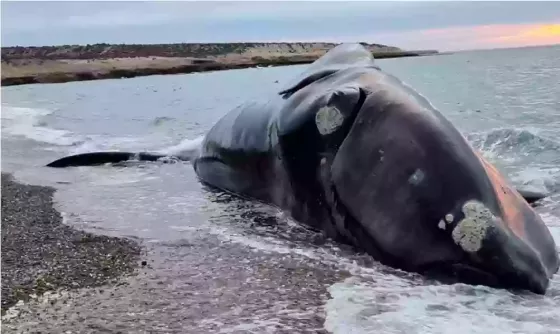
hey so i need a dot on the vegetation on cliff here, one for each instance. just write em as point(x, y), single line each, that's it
point(195, 50)
point(55, 64)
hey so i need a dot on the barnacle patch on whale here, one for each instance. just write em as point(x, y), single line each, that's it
point(328, 119)
point(472, 229)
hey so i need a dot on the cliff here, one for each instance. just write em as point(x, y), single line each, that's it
point(194, 50)
point(43, 64)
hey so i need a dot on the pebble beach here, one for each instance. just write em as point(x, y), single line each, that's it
point(40, 253)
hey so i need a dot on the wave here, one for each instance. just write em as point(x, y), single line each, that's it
point(508, 142)
point(28, 123)
point(526, 157)
point(160, 120)
point(541, 179)
point(186, 148)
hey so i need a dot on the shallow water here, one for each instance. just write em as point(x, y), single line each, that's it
point(219, 264)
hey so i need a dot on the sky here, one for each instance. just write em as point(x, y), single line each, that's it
point(411, 25)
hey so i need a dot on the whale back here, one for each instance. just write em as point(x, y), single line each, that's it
point(338, 58)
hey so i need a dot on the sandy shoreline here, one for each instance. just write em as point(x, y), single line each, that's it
point(40, 253)
point(68, 72)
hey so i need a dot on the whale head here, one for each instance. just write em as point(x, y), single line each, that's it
point(398, 180)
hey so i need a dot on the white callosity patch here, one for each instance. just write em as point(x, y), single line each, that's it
point(328, 119)
point(441, 224)
point(416, 177)
point(471, 230)
point(449, 218)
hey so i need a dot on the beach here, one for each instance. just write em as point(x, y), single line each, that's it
point(40, 253)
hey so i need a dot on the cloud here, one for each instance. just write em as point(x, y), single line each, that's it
point(37, 15)
point(484, 36)
point(409, 24)
point(537, 34)
point(116, 19)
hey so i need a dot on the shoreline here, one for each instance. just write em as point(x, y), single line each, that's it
point(42, 254)
point(123, 73)
point(60, 64)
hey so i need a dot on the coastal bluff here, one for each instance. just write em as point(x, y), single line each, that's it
point(63, 63)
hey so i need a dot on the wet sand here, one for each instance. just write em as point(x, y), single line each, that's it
point(201, 283)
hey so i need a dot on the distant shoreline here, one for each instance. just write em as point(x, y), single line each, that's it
point(59, 64)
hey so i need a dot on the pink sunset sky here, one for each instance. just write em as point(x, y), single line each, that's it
point(476, 37)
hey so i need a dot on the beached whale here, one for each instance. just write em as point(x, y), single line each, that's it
point(352, 151)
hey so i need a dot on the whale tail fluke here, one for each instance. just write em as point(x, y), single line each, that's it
point(186, 150)
point(100, 158)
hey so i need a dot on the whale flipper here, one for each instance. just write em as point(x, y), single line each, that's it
point(100, 158)
point(531, 196)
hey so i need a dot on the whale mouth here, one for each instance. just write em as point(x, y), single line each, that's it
point(497, 265)
point(470, 273)
point(459, 272)
point(491, 256)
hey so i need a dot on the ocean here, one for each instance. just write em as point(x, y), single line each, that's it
point(223, 265)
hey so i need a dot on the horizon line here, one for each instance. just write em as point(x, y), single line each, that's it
point(294, 42)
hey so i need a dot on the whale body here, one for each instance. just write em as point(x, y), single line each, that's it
point(351, 150)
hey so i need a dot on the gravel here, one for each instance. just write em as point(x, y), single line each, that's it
point(40, 253)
